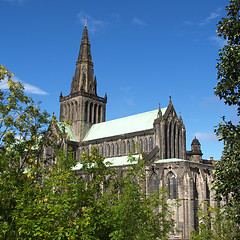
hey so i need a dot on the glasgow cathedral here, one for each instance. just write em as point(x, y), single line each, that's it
point(159, 136)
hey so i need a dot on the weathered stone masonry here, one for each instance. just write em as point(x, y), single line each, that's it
point(159, 134)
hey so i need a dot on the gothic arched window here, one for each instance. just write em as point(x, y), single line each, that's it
point(90, 112)
point(99, 113)
point(146, 143)
point(108, 150)
point(129, 146)
point(151, 143)
point(154, 183)
point(117, 149)
point(172, 186)
point(68, 114)
point(133, 146)
point(102, 150)
point(95, 114)
point(113, 149)
point(141, 145)
point(124, 147)
point(76, 111)
point(86, 111)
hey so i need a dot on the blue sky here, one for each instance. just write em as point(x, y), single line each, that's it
point(143, 52)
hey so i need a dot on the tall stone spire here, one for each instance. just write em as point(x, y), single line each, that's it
point(85, 48)
point(83, 79)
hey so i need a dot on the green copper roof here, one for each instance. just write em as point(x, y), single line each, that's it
point(114, 162)
point(134, 123)
point(170, 160)
point(123, 161)
point(67, 128)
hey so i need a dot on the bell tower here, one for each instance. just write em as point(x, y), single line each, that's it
point(83, 107)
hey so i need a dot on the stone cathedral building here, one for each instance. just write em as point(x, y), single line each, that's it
point(160, 134)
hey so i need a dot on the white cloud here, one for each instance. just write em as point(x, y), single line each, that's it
point(138, 21)
point(206, 136)
point(28, 88)
point(211, 17)
point(33, 90)
point(92, 24)
point(219, 41)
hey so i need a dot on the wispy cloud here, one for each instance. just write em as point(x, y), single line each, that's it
point(127, 96)
point(188, 23)
point(219, 41)
point(28, 88)
point(126, 90)
point(139, 22)
point(212, 103)
point(211, 17)
point(14, 1)
point(115, 17)
point(92, 24)
point(206, 136)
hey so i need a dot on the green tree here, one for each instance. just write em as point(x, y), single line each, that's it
point(124, 210)
point(42, 199)
point(227, 177)
point(21, 126)
point(214, 224)
point(96, 204)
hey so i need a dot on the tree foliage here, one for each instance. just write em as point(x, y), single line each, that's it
point(21, 125)
point(214, 224)
point(227, 173)
point(228, 66)
point(43, 200)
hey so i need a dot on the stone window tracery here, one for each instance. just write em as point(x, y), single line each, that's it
point(154, 183)
point(151, 143)
point(141, 145)
point(172, 186)
point(124, 147)
point(117, 149)
point(146, 145)
point(113, 152)
point(129, 147)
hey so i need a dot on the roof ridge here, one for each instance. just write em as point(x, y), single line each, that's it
point(128, 116)
point(134, 123)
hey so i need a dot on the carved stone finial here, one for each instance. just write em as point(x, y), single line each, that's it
point(85, 21)
point(159, 111)
point(180, 118)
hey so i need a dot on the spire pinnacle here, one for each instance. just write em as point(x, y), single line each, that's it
point(180, 118)
point(83, 79)
point(85, 21)
point(159, 111)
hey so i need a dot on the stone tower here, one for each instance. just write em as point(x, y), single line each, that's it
point(170, 134)
point(195, 154)
point(83, 107)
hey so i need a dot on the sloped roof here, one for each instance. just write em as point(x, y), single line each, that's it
point(67, 128)
point(134, 123)
point(113, 162)
point(123, 161)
